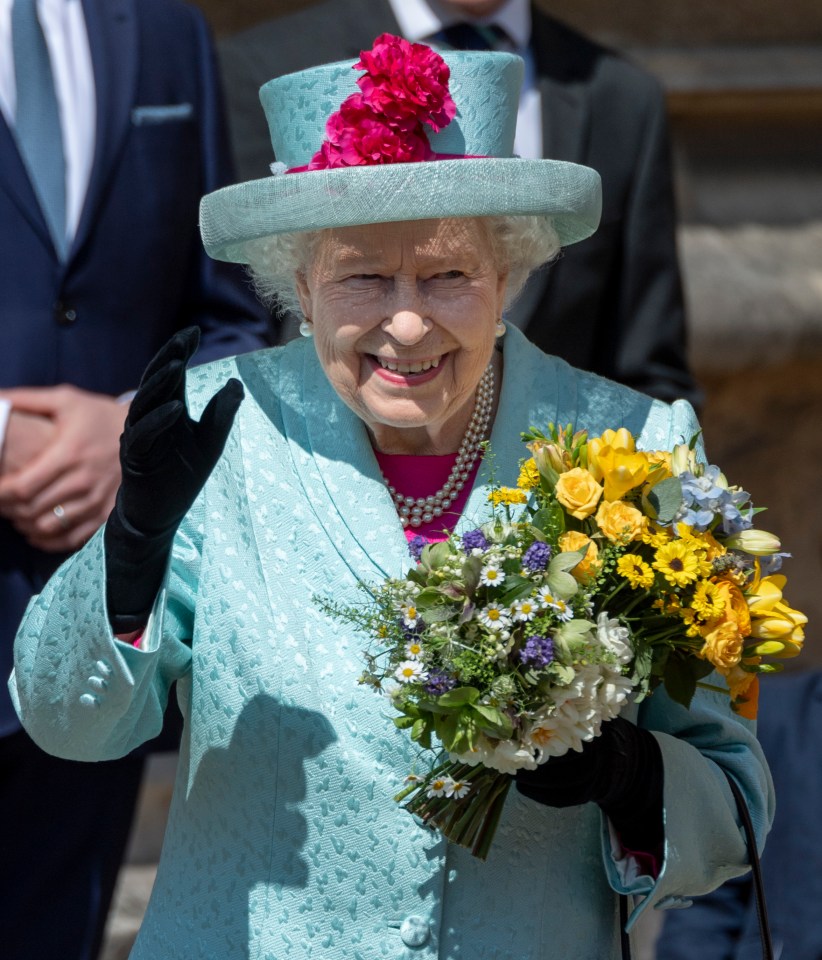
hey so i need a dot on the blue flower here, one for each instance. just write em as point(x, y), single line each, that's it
point(536, 557)
point(439, 682)
point(474, 540)
point(415, 546)
point(771, 564)
point(538, 650)
point(704, 499)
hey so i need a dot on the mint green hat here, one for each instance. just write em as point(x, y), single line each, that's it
point(472, 172)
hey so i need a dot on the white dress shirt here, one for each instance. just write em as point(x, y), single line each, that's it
point(419, 20)
point(64, 27)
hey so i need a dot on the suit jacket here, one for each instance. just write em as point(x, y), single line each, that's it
point(136, 271)
point(283, 832)
point(724, 924)
point(613, 303)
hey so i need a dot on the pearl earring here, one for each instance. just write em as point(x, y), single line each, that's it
point(499, 329)
point(307, 328)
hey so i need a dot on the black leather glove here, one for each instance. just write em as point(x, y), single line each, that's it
point(620, 770)
point(166, 457)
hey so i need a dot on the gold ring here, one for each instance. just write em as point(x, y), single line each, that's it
point(60, 512)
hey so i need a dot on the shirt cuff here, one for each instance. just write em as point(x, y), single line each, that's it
point(5, 410)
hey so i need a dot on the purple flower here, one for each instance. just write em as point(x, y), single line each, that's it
point(439, 682)
point(411, 633)
point(474, 540)
point(536, 557)
point(415, 545)
point(538, 650)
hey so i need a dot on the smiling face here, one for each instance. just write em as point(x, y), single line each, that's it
point(404, 319)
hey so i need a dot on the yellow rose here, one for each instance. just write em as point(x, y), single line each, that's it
point(572, 541)
point(620, 522)
point(725, 634)
point(578, 492)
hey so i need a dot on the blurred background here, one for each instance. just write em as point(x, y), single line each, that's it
point(744, 87)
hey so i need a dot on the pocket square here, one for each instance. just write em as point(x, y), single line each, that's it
point(164, 113)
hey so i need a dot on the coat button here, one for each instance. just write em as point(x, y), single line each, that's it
point(414, 931)
point(64, 314)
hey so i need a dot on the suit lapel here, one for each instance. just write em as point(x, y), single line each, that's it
point(15, 182)
point(112, 34)
point(564, 89)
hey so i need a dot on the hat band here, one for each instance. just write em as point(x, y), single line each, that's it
point(306, 168)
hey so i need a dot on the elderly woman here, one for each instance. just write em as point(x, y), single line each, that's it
point(401, 227)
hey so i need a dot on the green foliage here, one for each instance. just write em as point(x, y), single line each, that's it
point(664, 499)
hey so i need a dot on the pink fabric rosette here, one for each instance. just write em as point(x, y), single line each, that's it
point(405, 86)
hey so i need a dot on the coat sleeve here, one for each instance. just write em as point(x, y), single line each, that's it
point(81, 693)
point(220, 297)
point(704, 842)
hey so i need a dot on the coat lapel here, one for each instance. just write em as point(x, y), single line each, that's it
point(531, 393)
point(15, 182)
point(339, 487)
point(112, 34)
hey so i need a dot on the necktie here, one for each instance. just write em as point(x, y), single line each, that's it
point(472, 36)
point(37, 120)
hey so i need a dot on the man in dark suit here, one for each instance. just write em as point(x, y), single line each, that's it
point(723, 925)
point(84, 306)
point(613, 303)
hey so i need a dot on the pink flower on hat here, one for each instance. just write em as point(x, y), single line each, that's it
point(405, 86)
point(356, 135)
point(406, 80)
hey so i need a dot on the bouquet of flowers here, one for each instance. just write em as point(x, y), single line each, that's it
point(606, 572)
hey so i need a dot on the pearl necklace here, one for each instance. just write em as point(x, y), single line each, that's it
point(416, 511)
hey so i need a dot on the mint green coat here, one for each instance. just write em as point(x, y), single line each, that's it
point(284, 842)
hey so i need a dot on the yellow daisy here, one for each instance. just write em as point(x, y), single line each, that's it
point(678, 563)
point(708, 601)
point(635, 570)
point(656, 537)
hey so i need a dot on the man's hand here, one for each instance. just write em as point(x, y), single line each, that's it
point(27, 436)
point(77, 472)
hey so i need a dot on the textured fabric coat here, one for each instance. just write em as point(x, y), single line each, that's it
point(284, 840)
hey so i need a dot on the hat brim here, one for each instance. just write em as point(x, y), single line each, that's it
point(568, 193)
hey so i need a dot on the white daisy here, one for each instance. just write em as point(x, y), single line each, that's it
point(437, 787)
point(494, 617)
point(491, 575)
point(456, 788)
point(413, 650)
point(544, 597)
point(562, 610)
point(410, 615)
point(524, 610)
point(410, 671)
